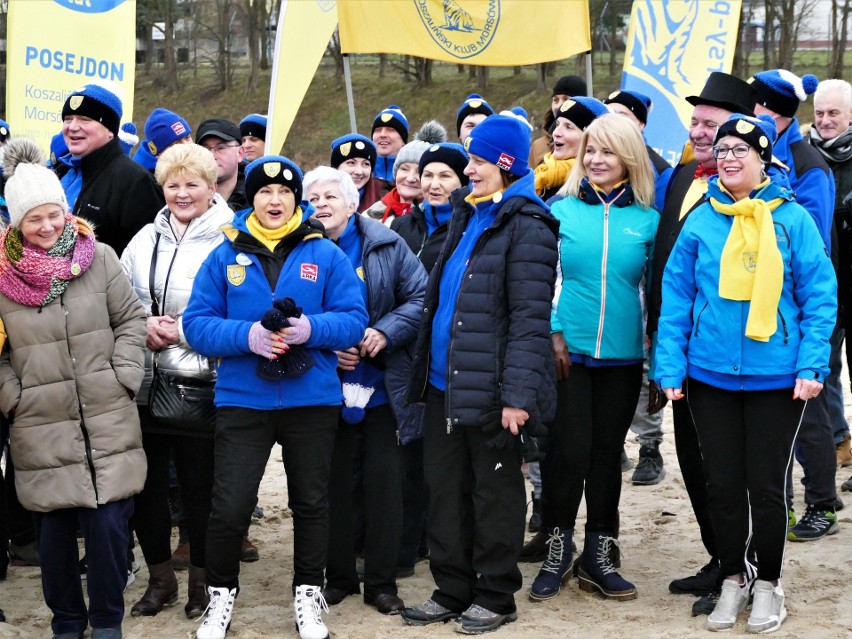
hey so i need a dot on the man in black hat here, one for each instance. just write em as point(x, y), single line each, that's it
point(224, 140)
point(722, 96)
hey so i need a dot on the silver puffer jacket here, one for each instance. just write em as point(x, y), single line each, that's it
point(180, 260)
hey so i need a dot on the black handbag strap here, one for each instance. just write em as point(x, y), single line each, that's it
point(155, 307)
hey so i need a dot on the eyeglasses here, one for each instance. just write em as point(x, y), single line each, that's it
point(740, 151)
point(221, 148)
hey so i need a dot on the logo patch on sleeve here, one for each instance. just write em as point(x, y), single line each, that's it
point(310, 272)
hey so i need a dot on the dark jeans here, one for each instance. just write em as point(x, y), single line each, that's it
point(16, 522)
point(595, 407)
point(414, 504)
point(689, 459)
point(477, 512)
point(244, 438)
point(374, 441)
point(106, 535)
point(193, 460)
point(746, 443)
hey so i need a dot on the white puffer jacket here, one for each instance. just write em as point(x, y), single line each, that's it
point(180, 260)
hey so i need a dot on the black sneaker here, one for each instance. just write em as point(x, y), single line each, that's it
point(704, 582)
point(649, 470)
point(706, 604)
point(815, 524)
point(846, 486)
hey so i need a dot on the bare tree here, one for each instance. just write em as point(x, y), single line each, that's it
point(839, 32)
point(784, 20)
point(337, 54)
point(253, 15)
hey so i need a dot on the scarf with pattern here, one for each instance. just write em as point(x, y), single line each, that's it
point(35, 277)
point(836, 150)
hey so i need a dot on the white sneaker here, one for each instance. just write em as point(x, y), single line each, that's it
point(217, 619)
point(767, 609)
point(732, 602)
point(310, 604)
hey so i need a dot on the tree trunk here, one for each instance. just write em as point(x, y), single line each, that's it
point(768, 34)
point(460, 68)
point(516, 71)
point(482, 78)
point(839, 34)
point(541, 76)
point(264, 36)
point(383, 61)
point(471, 72)
point(251, 9)
point(171, 63)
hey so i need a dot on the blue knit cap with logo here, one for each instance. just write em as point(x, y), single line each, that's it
point(781, 91)
point(353, 145)
point(502, 140)
point(393, 117)
point(97, 103)
point(273, 169)
point(254, 125)
point(759, 133)
point(163, 128)
point(474, 103)
point(582, 111)
point(638, 103)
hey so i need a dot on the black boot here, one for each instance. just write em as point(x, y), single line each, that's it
point(535, 550)
point(596, 572)
point(197, 599)
point(162, 591)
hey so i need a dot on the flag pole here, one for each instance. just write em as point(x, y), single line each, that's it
point(589, 86)
point(349, 99)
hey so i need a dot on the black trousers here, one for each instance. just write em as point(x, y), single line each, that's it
point(374, 441)
point(193, 458)
point(244, 439)
point(414, 505)
point(477, 512)
point(689, 459)
point(595, 407)
point(16, 522)
point(746, 442)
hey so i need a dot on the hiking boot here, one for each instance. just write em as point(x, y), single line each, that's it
point(162, 591)
point(310, 605)
point(557, 567)
point(732, 601)
point(844, 452)
point(24, 555)
point(596, 572)
point(703, 582)
point(626, 464)
point(476, 620)
point(649, 470)
point(535, 518)
point(428, 612)
point(249, 552)
point(197, 600)
point(767, 609)
point(535, 550)
point(706, 604)
point(219, 612)
point(815, 524)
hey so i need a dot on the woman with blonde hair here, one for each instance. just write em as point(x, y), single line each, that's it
point(161, 262)
point(606, 242)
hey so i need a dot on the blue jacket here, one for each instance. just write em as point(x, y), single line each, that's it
point(810, 178)
point(605, 252)
point(231, 292)
point(701, 332)
point(396, 284)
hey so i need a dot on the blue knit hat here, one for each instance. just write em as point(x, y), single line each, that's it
point(127, 136)
point(254, 125)
point(163, 128)
point(58, 150)
point(519, 113)
point(5, 131)
point(474, 103)
point(273, 169)
point(144, 156)
point(758, 132)
point(451, 154)
point(502, 140)
point(582, 111)
point(358, 388)
point(781, 91)
point(638, 103)
point(350, 146)
point(96, 102)
point(393, 117)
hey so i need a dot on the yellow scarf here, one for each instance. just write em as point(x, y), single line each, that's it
point(552, 173)
point(473, 200)
point(270, 237)
point(751, 267)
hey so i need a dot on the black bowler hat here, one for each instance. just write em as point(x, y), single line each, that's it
point(728, 92)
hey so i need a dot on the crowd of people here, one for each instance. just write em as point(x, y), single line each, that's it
point(414, 324)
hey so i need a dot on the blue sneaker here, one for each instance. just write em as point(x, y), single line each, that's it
point(557, 566)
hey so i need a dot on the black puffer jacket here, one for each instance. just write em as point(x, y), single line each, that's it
point(118, 195)
point(500, 353)
point(412, 229)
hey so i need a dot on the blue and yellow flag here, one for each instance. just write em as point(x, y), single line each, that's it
point(304, 29)
point(672, 47)
point(57, 46)
point(481, 32)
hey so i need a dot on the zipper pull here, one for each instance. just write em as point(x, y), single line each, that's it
point(449, 426)
point(397, 437)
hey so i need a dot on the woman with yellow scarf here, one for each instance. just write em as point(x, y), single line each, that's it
point(749, 301)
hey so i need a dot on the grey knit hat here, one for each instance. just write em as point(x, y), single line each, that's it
point(432, 132)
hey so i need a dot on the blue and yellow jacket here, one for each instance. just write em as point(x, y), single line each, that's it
point(232, 291)
point(703, 335)
point(606, 249)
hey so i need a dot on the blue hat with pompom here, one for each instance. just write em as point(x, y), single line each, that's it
point(758, 132)
point(781, 91)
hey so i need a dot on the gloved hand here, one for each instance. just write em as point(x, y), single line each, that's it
point(656, 399)
point(260, 341)
point(299, 332)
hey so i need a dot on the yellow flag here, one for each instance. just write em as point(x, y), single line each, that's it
point(57, 46)
point(482, 32)
point(304, 29)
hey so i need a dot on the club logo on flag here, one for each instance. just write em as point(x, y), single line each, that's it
point(505, 161)
point(461, 29)
point(310, 272)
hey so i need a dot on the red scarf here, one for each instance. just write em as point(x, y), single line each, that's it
point(394, 205)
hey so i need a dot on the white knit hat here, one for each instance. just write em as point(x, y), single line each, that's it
point(28, 182)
